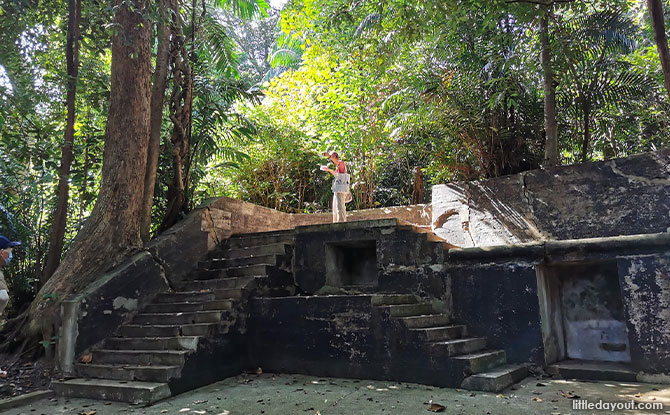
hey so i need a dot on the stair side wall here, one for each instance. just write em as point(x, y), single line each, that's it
point(500, 302)
point(341, 336)
point(90, 316)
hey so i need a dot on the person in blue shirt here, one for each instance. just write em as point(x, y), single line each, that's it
point(6, 247)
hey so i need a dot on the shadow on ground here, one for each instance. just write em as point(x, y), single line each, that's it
point(269, 394)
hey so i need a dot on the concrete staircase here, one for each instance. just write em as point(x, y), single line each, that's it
point(479, 368)
point(160, 352)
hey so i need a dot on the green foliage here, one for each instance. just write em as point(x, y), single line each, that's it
point(453, 87)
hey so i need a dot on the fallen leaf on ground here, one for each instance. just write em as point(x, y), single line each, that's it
point(164, 411)
point(87, 358)
point(199, 402)
point(87, 413)
point(569, 395)
point(638, 395)
point(436, 407)
point(538, 399)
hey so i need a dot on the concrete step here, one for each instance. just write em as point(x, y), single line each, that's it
point(191, 317)
point(140, 357)
point(190, 306)
point(152, 343)
point(393, 299)
point(593, 370)
point(113, 390)
point(234, 282)
point(229, 293)
point(248, 270)
point(408, 310)
point(238, 262)
point(170, 330)
point(429, 320)
point(261, 239)
point(433, 334)
point(481, 361)
point(458, 346)
point(254, 251)
point(206, 274)
point(128, 372)
point(496, 379)
point(240, 271)
point(183, 297)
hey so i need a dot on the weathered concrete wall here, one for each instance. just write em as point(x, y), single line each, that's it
point(341, 336)
point(394, 247)
point(497, 293)
point(500, 302)
point(234, 216)
point(90, 316)
point(617, 197)
point(593, 313)
point(419, 215)
point(645, 283)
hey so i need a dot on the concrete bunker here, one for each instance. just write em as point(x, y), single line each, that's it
point(351, 263)
point(582, 312)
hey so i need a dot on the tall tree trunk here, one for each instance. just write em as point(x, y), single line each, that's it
point(586, 108)
point(112, 231)
point(156, 117)
point(550, 125)
point(658, 24)
point(60, 216)
point(417, 193)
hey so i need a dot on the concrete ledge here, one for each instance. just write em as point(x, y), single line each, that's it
point(357, 224)
point(530, 249)
point(628, 243)
point(25, 399)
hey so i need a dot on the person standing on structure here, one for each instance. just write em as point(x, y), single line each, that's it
point(341, 192)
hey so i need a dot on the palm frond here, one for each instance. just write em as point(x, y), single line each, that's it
point(218, 47)
point(368, 22)
point(245, 9)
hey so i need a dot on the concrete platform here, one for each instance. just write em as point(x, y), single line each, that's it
point(270, 394)
point(591, 370)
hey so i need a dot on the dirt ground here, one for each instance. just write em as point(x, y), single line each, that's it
point(270, 394)
point(23, 376)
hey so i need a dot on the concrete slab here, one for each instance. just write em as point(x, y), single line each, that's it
point(295, 394)
point(590, 370)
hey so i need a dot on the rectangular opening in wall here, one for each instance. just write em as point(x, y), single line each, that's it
point(582, 312)
point(351, 263)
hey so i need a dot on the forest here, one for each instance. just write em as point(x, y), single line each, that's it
point(118, 118)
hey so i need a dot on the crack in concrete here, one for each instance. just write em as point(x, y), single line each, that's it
point(466, 225)
point(161, 265)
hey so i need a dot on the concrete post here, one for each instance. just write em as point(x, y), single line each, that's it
point(67, 340)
